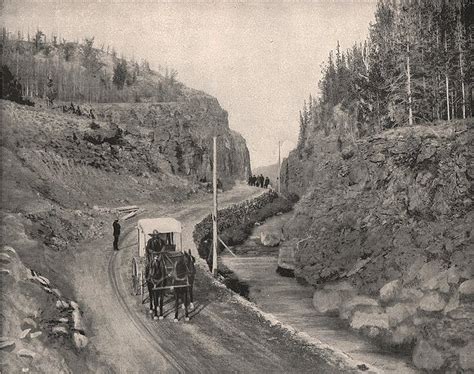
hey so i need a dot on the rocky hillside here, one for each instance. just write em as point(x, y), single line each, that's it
point(396, 206)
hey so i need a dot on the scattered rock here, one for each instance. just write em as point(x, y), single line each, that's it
point(35, 334)
point(347, 306)
point(74, 305)
point(24, 333)
point(328, 301)
point(59, 330)
point(77, 318)
point(8, 249)
point(63, 320)
point(466, 357)
point(362, 319)
point(29, 323)
point(270, 239)
point(389, 291)
point(452, 304)
point(400, 312)
point(26, 353)
point(467, 288)
point(403, 334)
point(427, 357)
point(80, 341)
point(432, 302)
point(61, 304)
point(6, 343)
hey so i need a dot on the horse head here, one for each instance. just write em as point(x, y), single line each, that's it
point(156, 270)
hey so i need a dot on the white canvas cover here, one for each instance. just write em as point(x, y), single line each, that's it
point(163, 225)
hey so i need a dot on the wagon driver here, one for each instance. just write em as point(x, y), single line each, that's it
point(155, 243)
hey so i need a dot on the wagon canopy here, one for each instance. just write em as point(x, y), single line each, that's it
point(169, 229)
point(163, 225)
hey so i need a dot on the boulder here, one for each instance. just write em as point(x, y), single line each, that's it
point(452, 304)
point(362, 319)
point(399, 313)
point(462, 312)
point(427, 357)
point(430, 270)
point(438, 282)
point(348, 306)
point(328, 300)
point(453, 275)
point(403, 334)
point(467, 288)
point(466, 357)
point(270, 239)
point(410, 294)
point(390, 290)
point(6, 342)
point(26, 353)
point(80, 341)
point(35, 334)
point(61, 304)
point(74, 305)
point(28, 323)
point(432, 302)
point(59, 330)
point(77, 318)
point(24, 333)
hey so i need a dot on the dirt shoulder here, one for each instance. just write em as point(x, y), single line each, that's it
point(222, 336)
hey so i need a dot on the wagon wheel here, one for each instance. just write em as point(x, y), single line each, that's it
point(142, 286)
point(135, 277)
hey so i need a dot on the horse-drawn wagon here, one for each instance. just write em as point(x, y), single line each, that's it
point(161, 264)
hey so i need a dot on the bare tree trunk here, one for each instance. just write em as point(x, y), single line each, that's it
point(462, 76)
point(446, 77)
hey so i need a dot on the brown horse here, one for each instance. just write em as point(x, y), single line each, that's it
point(170, 270)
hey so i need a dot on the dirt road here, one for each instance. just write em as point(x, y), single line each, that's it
point(222, 335)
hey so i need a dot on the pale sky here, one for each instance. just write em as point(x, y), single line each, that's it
point(261, 59)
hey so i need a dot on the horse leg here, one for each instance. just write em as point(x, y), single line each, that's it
point(162, 293)
point(150, 296)
point(186, 315)
point(176, 305)
point(154, 295)
point(191, 304)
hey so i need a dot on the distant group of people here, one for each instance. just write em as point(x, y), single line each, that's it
point(77, 110)
point(259, 181)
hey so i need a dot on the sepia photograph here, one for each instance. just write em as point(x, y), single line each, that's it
point(237, 186)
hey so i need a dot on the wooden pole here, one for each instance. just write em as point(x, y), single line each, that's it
point(214, 213)
point(279, 169)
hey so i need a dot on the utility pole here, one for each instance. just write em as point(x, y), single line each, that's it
point(279, 168)
point(214, 212)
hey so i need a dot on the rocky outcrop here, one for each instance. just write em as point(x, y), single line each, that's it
point(392, 215)
point(176, 137)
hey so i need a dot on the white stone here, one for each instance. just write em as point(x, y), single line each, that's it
point(29, 322)
point(466, 357)
point(347, 306)
point(77, 318)
point(24, 333)
point(362, 319)
point(43, 280)
point(74, 304)
point(60, 330)
point(427, 357)
point(389, 291)
point(8, 249)
point(270, 239)
point(63, 320)
point(452, 304)
point(467, 288)
point(432, 302)
point(399, 312)
point(6, 343)
point(61, 304)
point(80, 340)
point(35, 334)
point(26, 353)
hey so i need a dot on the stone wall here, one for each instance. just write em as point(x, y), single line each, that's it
point(228, 217)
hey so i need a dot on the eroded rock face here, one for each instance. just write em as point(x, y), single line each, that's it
point(176, 137)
